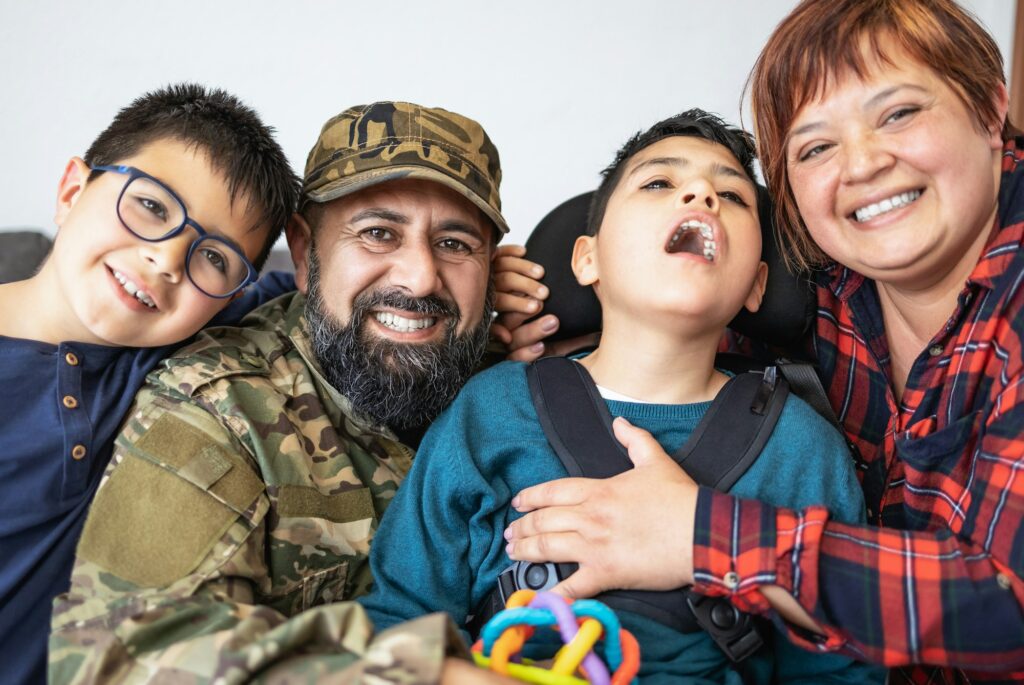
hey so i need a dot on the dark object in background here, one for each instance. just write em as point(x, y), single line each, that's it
point(21, 254)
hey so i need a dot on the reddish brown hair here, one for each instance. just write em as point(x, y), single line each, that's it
point(821, 40)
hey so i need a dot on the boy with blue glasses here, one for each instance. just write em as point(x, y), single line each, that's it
point(163, 223)
point(152, 212)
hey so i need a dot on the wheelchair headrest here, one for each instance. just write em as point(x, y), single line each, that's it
point(786, 312)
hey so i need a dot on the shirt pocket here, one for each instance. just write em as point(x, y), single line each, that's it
point(313, 540)
point(325, 587)
point(936, 469)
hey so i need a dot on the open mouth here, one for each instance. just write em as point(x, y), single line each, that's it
point(402, 324)
point(889, 204)
point(132, 289)
point(695, 237)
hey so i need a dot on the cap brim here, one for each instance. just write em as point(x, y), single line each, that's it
point(356, 182)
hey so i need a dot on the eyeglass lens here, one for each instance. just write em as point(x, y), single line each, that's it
point(151, 212)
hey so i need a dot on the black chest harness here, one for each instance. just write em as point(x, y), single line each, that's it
point(728, 439)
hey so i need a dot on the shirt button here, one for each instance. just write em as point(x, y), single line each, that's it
point(78, 452)
point(71, 358)
point(731, 580)
point(935, 350)
point(1003, 581)
point(70, 402)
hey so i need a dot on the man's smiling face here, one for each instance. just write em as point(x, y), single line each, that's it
point(413, 237)
point(399, 300)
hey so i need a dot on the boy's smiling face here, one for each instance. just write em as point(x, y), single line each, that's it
point(680, 239)
point(94, 255)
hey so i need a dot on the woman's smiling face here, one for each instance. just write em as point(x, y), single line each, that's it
point(893, 176)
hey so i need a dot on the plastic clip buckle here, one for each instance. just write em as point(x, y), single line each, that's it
point(735, 632)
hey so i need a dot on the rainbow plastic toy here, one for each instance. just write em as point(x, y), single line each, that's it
point(581, 624)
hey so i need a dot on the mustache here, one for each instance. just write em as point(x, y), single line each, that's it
point(428, 305)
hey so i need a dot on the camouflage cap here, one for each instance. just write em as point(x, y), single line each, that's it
point(384, 141)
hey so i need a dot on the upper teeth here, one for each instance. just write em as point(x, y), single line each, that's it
point(402, 324)
point(706, 232)
point(887, 205)
point(133, 289)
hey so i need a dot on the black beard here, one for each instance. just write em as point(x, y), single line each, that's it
point(401, 385)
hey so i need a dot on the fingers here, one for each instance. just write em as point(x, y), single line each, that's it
point(580, 585)
point(555, 493)
point(566, 546)
point(519, 284)
point(513, 274)
point(509, 250)
point(509, 303)
point(540, 526)
point(510, 258)
point(500, 333)
point(512, 320)
point(643, 449)
point(527, 354)
point(633, 530)
point(527, 340)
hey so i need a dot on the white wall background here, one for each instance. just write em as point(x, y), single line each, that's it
point(558, 84)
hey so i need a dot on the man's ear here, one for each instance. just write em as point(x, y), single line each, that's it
point(70, 188)
point(299, 236)
point(584, 260)
point(756, 295)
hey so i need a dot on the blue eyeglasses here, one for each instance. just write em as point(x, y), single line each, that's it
point(152, 212)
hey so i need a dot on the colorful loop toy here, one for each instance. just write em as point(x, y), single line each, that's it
point(580, 624)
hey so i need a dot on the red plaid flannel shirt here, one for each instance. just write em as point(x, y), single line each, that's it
point(936, 578)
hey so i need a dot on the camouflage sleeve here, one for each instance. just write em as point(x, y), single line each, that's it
point(178, 580)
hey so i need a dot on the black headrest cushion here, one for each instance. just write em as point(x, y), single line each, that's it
point(784, 318)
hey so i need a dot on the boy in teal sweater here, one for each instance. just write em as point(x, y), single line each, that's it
point(673, 252)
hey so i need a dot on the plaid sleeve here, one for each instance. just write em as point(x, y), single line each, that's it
point(889, 596)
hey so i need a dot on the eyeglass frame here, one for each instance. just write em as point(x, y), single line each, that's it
point(134, 173)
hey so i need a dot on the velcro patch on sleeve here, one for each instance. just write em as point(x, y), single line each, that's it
point(150, 527)
point(200, 460)
point(167, 504)
point(343, 507)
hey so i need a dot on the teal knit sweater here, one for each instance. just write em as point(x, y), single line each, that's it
point(440, 544)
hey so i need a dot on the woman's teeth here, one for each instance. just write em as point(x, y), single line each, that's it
point(895, 202)
point(401, 324)
point(133, 290)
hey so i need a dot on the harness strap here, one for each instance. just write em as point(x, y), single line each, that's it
point(804, 381)
point(734, 430)
point(575, 418)
point(728, 439)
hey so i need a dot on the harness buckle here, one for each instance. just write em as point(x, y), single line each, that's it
point(526, 575)
point(736, 633)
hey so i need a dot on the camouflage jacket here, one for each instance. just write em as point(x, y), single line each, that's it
point(234, 517)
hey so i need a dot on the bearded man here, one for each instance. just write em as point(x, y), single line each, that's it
point(248, 481)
